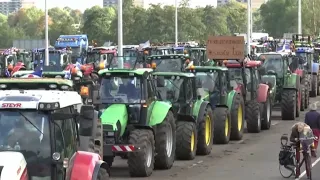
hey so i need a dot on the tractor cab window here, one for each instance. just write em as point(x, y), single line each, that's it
point(303, 56)
point(262, 49)
point(235, 75)
point(274, 63)
point(173, 88)
point(10, 59)
point(54, 59)
point(168, 65)
point(93, 57)
point(209, 82)
point(27, 132)
point(121, 89)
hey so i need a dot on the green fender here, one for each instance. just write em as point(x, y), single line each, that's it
point(231, 94)
point(159, 111)
point(196, 108)
point(291, 81)
point(114, 114)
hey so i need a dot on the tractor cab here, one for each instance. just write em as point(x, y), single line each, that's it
point(168, 63)
point(56, 57)
point(244, 77)
point(8, 62)
point(158, 50)
point(40, 135)
point(99, 54)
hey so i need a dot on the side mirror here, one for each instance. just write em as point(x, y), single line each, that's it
point(86, 119)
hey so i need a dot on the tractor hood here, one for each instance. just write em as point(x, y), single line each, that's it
point(13, 166)
point(113, 114)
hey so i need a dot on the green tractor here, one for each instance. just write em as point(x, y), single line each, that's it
point(193, 115)
point(289, 89)
point(135, 121)
point(194, 118)
point(227, 104)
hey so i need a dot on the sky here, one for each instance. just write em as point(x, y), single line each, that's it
point(75, 4)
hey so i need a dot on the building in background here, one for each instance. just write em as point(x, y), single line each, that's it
point(10, 6)
point(255, 3)
point(107, 3)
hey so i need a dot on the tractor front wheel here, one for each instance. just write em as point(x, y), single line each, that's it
point(303, 98)
point(186, 140)
point(253, 117)
point(314, 85)
point(205, 133)
point(237, 117)
point(166, 143)
point(266, 114)
point(221, 127)
point(288, 104)
point(141, 162)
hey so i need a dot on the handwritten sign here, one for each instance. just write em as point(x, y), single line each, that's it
point(225, 47)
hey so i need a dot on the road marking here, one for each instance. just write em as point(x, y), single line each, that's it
point(273, 123)
point(304, 172)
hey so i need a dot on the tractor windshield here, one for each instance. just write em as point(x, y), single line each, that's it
point(261, 49)
point(168, 65)
point(172, 90)
point(93, 57)
point(208, 81)
point(273, 63)
point(54, 59)
point(120, 89)
point(27, 131)
point(236, 76)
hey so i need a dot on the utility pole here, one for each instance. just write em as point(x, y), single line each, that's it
point(299, 18)
point(176, 23)
point(120, 35)
point(248, 26)
point(46, 60)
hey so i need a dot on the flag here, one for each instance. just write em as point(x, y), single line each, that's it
point(144, 45)
point(67, 74)
point(7, 73)
point(38, 72)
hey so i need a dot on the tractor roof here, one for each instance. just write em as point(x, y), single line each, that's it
point(31, 99)
point(248, 64)
point(168, 56)
point(208, 68)
point(139, 71)
point(188, 75)
point(36, 80)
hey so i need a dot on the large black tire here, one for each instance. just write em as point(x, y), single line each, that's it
point(166, 131)
point(186, 140)
point(303, 97)
point(221, 127)
point(314, 85)
point(103, 174)
point(253, 116)
point(288, 104)
point(205, 133)
point(266, 114)
point(237, 117)
point(307, 94)
point(137, 160)
point(298, 103)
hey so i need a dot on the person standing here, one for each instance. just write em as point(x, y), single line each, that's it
point(312, 119)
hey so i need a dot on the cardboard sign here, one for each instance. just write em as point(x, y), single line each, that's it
point(225, 47)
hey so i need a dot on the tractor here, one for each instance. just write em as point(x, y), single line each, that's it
point(304, 49)
point(245, 78)
point(288, 87)
point(44, 139)
point(135, 121)
point(193, 115)
point(227, 104)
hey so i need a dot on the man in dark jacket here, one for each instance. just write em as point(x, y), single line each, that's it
point(312, 118)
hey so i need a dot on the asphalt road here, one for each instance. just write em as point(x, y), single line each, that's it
point(254, 157)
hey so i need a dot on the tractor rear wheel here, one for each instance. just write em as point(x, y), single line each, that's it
point(221, 127)
point(266, 114)
point(298, 103)
point(307, 95)
point(103, 174)
point(237, 117)
point(303, 97)
point(253, 117)
point(288, 104)
point(141, 162)
point(186, 140)
point(165, 143)
point(314, 85)
point(205, 133)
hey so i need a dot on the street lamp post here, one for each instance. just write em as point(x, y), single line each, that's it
point(299, 18)
point(176, 23)
point(248, 26)
point(120, 35)
point(46, 61)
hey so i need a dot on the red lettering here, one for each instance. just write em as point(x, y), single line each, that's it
point(11, 105)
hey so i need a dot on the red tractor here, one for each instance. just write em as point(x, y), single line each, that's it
point(244, 77)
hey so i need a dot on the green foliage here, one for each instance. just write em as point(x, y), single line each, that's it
point(281, 16)
point(156, 23)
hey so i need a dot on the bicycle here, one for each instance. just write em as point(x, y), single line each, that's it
point(291, 163)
